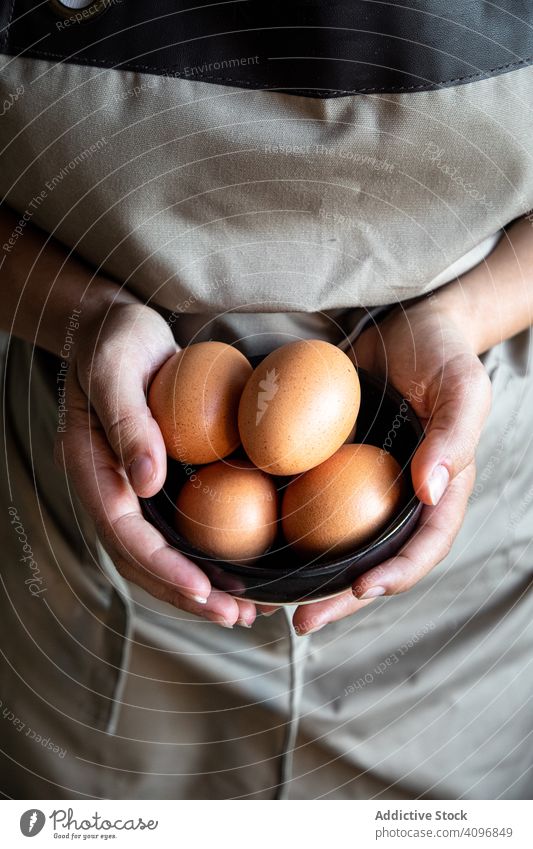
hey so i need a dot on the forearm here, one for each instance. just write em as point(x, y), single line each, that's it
point(42, 284)
point(494, 300)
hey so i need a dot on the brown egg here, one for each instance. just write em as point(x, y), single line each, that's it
point(341, 504)
point(298, 407)
point(229, 511)
point(194, 399)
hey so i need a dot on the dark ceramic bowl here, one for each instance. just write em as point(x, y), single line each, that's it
point(281, 576)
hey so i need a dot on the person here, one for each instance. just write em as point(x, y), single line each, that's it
point(258, 175)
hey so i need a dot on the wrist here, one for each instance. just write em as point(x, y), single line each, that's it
point(454, 305)
point(80, 315)
point(101, 296)
point(47, 293)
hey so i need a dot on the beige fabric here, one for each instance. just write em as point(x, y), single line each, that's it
point(205, 198)
point(426, 694)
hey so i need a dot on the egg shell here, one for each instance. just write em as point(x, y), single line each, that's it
point(229, 511)
point(342, 504)
point(194, 399)
point(298, 407)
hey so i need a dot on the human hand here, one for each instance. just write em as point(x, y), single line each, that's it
point(113, 451)
point(426, 353)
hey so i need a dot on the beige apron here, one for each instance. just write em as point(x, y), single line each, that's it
point(267, 213)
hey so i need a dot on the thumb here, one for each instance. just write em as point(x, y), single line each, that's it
point(459, 402)
point(119, 399)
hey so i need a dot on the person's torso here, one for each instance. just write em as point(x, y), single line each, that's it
point(298, 157)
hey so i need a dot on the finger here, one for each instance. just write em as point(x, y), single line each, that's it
point(220, 607)
point(115, 378)
point(268, 609)
point(247, 611)
point(226, 610)
point(109, 499)
point(430, 543)
point(363, 352)
point(459, 406)
point(132, 432)
point(309, 618)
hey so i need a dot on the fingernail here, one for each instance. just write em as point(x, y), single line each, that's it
point(439, 480)
point(372, 592)
point(192, 596)
point(243, 624)
point(222, 622)
point(141, 471)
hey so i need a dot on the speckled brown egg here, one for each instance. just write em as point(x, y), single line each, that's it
point(194, 399)
point(342, 504)
point(298, 407)
point(229, 511)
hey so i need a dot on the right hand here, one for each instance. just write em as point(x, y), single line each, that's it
point(113, 451)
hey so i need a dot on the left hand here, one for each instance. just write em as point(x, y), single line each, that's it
point(426, 353)
point(109, 428)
